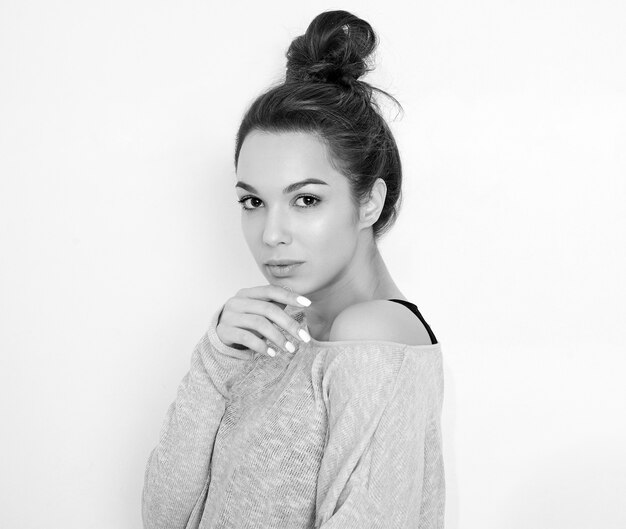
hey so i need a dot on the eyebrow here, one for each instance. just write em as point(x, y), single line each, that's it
point(289, 189)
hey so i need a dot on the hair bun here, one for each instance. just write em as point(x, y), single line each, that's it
point(333, 49)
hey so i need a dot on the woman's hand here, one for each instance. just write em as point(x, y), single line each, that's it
point(246, 319)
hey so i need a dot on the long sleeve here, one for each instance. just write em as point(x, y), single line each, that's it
point(177, 474)
point(382, 464)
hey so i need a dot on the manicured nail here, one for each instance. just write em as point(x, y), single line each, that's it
point(303, 301)
point(290, 347)
point(304, 335)
point(271, 351)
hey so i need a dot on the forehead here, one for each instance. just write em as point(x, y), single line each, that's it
point(267, 157)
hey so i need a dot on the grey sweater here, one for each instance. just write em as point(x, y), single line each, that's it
point(337, 435)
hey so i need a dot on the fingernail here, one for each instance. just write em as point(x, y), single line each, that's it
point(304, 335)
point(303, 301)
point(290, 347)
point(271, 351)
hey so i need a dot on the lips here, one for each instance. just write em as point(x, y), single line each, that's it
point(283, 270)
point(281, 262)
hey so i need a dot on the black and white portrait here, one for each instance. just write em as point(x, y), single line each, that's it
point(312, 266)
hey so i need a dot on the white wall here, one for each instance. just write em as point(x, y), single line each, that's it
point(120, 236)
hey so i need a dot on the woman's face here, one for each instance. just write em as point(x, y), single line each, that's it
point(286, 218)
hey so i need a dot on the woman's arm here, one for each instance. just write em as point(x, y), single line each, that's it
point(178, 470)
point(382, 465)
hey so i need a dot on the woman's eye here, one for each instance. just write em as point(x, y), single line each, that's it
point(306, 198)
point(243, 201)
point(309, 202)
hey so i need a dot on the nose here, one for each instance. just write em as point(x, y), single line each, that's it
point(277, 229)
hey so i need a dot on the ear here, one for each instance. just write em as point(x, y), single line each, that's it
point(372, 208)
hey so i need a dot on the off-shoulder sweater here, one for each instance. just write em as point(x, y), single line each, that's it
point(337, 435)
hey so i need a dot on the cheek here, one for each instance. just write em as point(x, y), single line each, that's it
point(331, 235)
point(252, 233)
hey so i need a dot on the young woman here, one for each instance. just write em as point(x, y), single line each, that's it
point(313, 401)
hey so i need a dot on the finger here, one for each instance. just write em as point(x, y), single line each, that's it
point(272, 333)
point(247, 338)
point(291, 325)
point(272, 315)
point(277, 294)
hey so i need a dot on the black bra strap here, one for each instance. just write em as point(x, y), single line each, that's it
point(415, 311)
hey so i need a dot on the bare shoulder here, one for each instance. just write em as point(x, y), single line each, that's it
point(379, 320)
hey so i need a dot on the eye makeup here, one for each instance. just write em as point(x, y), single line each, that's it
point(245, 198)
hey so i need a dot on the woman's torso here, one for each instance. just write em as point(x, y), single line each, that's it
point(270, 443)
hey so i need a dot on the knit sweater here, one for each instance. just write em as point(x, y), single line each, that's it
point(337, 435)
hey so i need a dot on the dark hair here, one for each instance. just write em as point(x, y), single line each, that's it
point(322, 94)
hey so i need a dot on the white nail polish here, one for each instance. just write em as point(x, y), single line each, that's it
point(304, 335)
point(290, 347)
point(271, 351)
point(303, 301)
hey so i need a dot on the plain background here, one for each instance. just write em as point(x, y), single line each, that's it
point(120, 237)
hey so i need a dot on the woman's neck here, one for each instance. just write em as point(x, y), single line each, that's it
point(366, 278)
